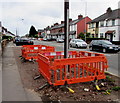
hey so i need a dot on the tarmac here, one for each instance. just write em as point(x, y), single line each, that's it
point(12, 87)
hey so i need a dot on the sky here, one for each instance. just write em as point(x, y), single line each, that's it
point(20, 15)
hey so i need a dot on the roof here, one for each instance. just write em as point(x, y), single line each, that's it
point(71, 23)
point(40, 30)
point(110, 31)
point(114, 14)
point(76, 21)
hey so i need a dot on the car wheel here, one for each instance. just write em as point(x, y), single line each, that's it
point(70, 45)
point(76, 46)
point(104, 50)
point(90, 48)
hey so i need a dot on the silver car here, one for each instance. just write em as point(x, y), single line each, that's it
point(78, 43)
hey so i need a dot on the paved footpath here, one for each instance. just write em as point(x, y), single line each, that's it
point(0, 74)
point(12, 87)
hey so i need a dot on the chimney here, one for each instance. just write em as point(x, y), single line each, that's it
point(109, 10)
point(70, 20)
point(51, 26)
point(62, 22)
point(55, 24)
point(80, 16)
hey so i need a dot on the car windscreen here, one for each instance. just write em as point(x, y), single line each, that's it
point(107, 42)
point(24, 40)
point(79, 40)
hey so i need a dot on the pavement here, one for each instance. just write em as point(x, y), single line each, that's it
point(0, 74)
point(12, 87)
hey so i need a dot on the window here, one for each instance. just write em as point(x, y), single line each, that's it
point(101, 35)
point(107, 23)
point(101, 23)
point(113, 22)
point(89, 25)
point(92, 25)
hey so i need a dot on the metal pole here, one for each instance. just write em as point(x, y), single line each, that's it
point(66, 27)
point(85, 18)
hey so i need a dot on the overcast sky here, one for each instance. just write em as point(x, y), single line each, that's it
point(21, 14)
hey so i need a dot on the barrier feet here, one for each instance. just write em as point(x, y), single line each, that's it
point(96, 85)
point(32, 60)
point(37, 77)
point(43, 86)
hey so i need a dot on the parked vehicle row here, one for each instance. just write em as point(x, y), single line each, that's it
point(95, 45)
point(23, 41)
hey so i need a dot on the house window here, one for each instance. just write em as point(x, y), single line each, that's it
point(107, 23)
point(113, 22)
point(101, 35)
point(101, 23)
point(89, 25)
point(92, 25)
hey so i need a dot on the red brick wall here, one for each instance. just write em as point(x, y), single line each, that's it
point(81, 25)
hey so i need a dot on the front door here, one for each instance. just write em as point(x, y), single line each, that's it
point(109, 37)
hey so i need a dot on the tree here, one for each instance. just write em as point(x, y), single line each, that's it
point(32, 32)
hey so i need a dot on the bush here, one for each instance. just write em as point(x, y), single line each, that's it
point(6, 37)
point(116, 88)
point(81, 35)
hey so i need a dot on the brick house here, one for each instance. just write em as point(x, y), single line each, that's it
point(76, 27)
point(79, 25)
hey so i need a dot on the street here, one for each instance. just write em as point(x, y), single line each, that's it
point(112, 57)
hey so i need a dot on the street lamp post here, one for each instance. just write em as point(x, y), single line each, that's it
point(17, 28)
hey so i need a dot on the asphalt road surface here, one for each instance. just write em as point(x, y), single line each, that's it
point(112, 57)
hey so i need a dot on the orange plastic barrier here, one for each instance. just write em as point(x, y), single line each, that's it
point(79, 67)
point(31, 51)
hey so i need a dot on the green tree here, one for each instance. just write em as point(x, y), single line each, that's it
point(32, 31)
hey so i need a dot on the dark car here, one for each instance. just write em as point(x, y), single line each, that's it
point(103, 46)
point(24, 41)
point(16, 39)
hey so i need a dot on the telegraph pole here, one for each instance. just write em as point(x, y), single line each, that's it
point(66, 27)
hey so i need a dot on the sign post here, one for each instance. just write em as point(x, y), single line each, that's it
point(66, 27)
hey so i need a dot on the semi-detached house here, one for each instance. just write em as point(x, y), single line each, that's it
point(106, 25)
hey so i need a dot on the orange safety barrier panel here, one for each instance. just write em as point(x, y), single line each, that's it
point(31, 51)
point(79, 67)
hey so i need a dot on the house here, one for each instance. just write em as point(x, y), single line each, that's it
point(40, 32)
point(106, 25)
point(75, 28)
point(79, 25)
point(5, 32)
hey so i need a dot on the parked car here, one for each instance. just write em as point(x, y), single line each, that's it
point(78, 43)
point(103, 46)
point(24, 41)
point(44, 39)
point(16, 39)
point(60, 40)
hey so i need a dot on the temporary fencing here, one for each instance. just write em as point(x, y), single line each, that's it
point(31, 51)
point(78, 67)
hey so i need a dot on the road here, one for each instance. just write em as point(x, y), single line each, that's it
point(112, 57)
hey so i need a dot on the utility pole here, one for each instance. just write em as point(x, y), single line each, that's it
point(66, 27)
